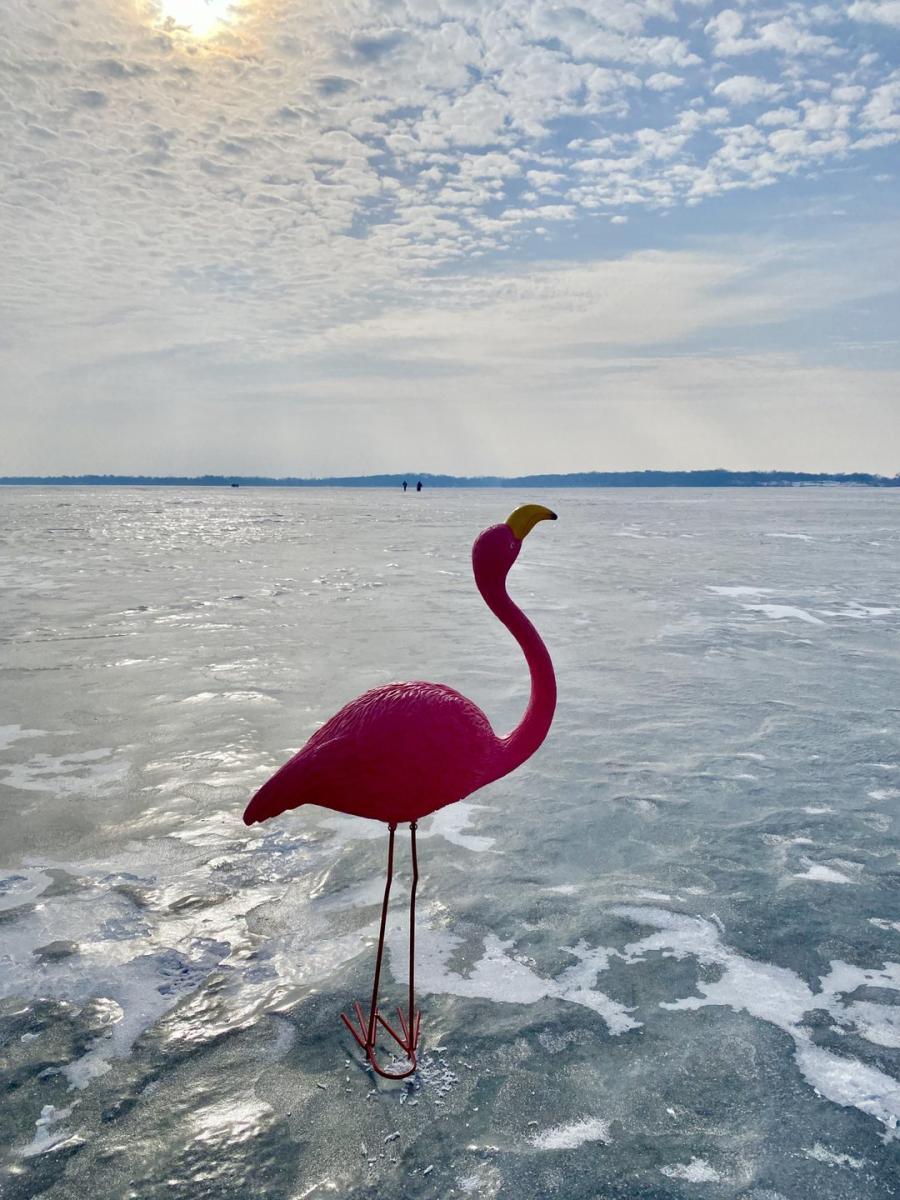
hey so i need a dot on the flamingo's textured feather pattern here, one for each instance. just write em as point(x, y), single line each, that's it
point(395, 753)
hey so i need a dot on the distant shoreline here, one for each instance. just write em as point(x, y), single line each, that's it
point(705, 479)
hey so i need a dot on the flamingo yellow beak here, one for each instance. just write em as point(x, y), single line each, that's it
point(524, 519)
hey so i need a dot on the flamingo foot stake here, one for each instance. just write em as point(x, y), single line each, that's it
point(365, 1035)
point(408, 1042)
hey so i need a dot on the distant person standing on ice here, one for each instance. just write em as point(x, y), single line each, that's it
point(419, 486)
point(404, 485)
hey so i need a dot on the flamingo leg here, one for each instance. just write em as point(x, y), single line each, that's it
point(408, 1040)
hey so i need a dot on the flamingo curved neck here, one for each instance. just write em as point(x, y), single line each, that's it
point(527, 736)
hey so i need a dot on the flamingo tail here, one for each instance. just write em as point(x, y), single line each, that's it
point(293, 785)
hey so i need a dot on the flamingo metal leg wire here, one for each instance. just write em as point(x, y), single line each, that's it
point(408, 1039)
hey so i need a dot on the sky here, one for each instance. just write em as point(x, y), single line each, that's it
point(313, 237)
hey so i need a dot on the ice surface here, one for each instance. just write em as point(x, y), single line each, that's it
point(779, 996)
point(662, 957)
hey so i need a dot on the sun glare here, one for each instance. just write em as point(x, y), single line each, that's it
point(200, 17)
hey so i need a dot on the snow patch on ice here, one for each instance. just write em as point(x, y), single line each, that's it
point(697, 1170)
point(67, 774)
point(484, 1182)
point(450, 822)
point(46, 1138)
point(844, 978)
point(883, 923)
point(570, 1137)
point(819, 873)
point(822, 1154)
point(781, 612)
point(499, 976)
point(884, 794)
point(22, 887)
point(12, 733)
point(859, 612)
point(877, 1023)
point(740, 591)
point(851, 1083)
point(245, 697)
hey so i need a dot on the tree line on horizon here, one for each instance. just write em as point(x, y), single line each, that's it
point(718, 477)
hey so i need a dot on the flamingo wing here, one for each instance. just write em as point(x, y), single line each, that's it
point(395, 754)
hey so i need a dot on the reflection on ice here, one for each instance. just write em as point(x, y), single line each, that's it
point(230, 1122)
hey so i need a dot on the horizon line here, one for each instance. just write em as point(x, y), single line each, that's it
point(653, 477)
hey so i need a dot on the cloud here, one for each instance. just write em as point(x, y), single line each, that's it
point(745, 89)
point(285, 141)
point(725, 30)
point(790, 35)
point(779, 116)
point(661, 81)
point(883, 12)
point(622, 346)
point(315, 169)
point(882, 112)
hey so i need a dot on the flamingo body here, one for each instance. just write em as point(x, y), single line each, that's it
point(395, 754)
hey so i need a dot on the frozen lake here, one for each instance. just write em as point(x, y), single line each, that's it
point(661, 961)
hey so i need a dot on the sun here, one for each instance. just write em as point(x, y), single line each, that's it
point(199, 17)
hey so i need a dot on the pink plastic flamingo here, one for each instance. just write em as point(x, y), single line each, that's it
point(402, 751)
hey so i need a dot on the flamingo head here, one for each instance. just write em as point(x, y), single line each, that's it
point(497, 548)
